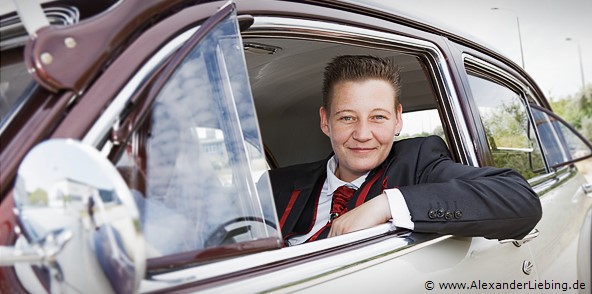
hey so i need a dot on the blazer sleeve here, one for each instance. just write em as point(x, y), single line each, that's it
point(452, 198)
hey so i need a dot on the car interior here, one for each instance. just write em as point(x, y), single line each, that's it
point(286, 76)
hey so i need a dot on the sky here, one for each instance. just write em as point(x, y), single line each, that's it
point(552, 61)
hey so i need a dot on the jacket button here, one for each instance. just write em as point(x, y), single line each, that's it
point(440, 212)
point(432, 214)
point(458, 214)
point(448, 215)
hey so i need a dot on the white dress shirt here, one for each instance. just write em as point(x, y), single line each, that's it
point(397, 204)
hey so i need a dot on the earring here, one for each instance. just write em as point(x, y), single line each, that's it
point(397, 134)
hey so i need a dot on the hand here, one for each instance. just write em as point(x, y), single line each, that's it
point(372, 213)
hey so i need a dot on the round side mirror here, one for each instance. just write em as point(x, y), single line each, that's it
point(80, 218)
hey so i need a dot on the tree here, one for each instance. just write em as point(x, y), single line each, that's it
point(577, 110)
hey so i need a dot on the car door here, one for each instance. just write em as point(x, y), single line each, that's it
point(563, 256)
point(523, 135)
point(410, 262)
point(413, 261)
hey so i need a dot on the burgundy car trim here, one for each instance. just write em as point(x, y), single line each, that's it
point(173, 262)
point(39, 117)
point(69, 57)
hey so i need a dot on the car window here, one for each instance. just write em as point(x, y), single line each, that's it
point(422, 123)
point(286, 81)
point(14, 80)
point(510, 133)
point(561, 143)
point(194, 161)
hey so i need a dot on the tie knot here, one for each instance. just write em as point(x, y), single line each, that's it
point(340, 198)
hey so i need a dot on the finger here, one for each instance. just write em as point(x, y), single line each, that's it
point(336, 228)
point(331, 233)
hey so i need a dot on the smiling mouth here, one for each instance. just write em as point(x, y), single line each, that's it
point(362, 150)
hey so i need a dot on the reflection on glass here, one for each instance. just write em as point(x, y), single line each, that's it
point(510, 133)
point(560, 144)
point(194, 163)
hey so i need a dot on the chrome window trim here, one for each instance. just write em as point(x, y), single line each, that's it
point(313, 29)
point(550, 181)
point(475, 61)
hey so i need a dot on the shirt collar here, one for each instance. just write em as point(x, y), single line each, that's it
point(334, 182)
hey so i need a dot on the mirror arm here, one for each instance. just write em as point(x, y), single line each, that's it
point(12, 255)
point(40, 252)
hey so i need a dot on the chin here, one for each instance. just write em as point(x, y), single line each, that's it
point(366, 167)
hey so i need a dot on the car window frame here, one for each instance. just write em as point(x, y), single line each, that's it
point(481, 68)
point(432, 55)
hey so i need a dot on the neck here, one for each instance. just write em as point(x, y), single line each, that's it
point(346, 177)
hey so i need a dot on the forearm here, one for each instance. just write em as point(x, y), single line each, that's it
point(496, 207)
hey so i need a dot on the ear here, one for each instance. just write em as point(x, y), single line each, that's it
point(399, 124)
point(324, 120)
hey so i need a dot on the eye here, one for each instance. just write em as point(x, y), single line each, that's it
point(346, 118)
point(380, 117)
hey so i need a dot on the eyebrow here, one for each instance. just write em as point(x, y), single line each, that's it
point(373, 110)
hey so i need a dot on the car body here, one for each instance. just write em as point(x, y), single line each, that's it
point(182, 106)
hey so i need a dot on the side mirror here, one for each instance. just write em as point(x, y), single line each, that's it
point(81, 223)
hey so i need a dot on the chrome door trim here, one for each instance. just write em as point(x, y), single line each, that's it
point(496, 70)
point(519, 242)
point(298, 259)
point(324, 31)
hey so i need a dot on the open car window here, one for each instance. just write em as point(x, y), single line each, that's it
point(286, 76)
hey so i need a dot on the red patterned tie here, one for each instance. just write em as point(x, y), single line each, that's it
point(340, 198)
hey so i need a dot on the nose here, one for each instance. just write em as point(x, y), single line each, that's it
point(362, 132)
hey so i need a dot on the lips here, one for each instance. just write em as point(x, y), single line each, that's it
point(362, 150)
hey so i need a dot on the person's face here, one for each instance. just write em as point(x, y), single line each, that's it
point(361, 123)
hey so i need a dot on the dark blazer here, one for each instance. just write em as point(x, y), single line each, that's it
point(443, 196)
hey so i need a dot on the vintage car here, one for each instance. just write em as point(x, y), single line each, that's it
point(136, 136)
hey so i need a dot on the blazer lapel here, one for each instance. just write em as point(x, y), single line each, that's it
point(294, 216)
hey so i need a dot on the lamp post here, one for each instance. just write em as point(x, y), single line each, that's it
point(581, 65)
point(519, 33)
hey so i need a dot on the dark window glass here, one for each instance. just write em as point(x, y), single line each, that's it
point(560, 143)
